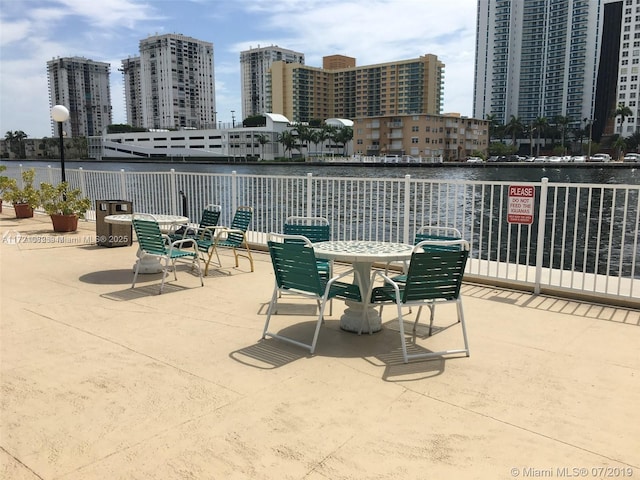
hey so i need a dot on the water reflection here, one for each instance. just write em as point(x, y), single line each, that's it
point(484, 173)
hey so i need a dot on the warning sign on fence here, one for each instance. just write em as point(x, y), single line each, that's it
point(521, 203)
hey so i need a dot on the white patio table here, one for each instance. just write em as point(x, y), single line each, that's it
point(362, 255)
point(148, 263)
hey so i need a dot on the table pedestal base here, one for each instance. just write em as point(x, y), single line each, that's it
point(148, 263)
point(352, 318)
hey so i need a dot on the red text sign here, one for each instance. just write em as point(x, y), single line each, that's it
point(521, 203)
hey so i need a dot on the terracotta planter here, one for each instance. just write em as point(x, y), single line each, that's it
point(64, 223)
point(23, 210)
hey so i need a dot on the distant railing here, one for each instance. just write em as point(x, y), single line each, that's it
point(584, 239)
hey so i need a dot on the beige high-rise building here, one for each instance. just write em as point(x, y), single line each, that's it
point(302, 93)
point(82, 86)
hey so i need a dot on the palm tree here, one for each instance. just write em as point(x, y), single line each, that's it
point(324, 135)
point(620, 145)
point(493, 127)
point(562, 122)
point(514, 127)
point(304, 135)
point(343, 136)
point(540, 124)
point(262, 140)
point(622, 111)
point(288, 141)
point(16, 142)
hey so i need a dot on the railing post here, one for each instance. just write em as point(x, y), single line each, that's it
point(123, 185)
point(234, 191)
point(407, 209)
point(542, 221)
point(50, 174)
point(83, 183)
point(173, 191)
point(309, 195)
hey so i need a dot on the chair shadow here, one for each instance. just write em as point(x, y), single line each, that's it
point(109, 277)
point(381, 349)
point(144, 291)
point(268, 354)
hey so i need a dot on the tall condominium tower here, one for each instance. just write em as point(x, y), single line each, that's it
point(303, 93)
point(537, 58)
point(133, 91)
point(82, 86)
point(255, 64)
point(177, 82)
point(621, 41)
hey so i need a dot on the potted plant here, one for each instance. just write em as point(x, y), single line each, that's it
point(24, 199)
point(63, 205)
point(5, 183)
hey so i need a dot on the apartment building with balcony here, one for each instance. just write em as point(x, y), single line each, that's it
point(177, 86)
point(449, 136)
point(537, 59)
point(82, 85)
point(304, 93)
point(255, 64)
point(133, 90)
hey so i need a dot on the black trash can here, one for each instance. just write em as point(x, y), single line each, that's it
point(110, 234)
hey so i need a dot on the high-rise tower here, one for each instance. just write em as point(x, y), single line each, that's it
point(82, 86)
point(537, 58)
point(254, 69)
point(177, 82)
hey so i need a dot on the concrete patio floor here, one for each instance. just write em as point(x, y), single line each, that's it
point(101, 381)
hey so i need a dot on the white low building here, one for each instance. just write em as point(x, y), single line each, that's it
point(256, 143)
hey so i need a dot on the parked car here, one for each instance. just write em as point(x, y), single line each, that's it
point(632, 157)
point(601, 157)
point(474, 160)
point(579, 158)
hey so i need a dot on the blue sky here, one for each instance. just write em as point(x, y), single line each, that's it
point(373, 31)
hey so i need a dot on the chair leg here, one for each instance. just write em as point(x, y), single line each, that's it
point(318, 323)
point(270, 310)
point(403, 343)
point(196, 263)
point(462, 324)
point(165, 270)
point(135, 274)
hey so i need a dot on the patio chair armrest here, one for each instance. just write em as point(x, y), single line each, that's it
point(226, 231)
point(387, 280)
point(185, 241)
point(338, 277)
point(208, 232)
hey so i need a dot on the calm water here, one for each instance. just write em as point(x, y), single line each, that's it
point(581, 174)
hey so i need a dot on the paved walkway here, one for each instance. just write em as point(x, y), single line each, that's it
point(99, 381)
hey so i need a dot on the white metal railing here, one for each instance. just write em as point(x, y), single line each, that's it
point(585, 238)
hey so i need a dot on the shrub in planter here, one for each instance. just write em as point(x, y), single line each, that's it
point(5, 183)
point(24, 199)
point(63, 205)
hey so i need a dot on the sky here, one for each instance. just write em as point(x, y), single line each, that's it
point(33, 32)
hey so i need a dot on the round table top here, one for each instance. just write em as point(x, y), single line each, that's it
point(126, 219)
point(362, 250)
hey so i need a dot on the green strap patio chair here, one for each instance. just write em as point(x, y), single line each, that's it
point(296, 272)
point(316, 229)
point(204, 229)
point(233, 236)
point(152, 241)
point(429, 232)
point(434, 276)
